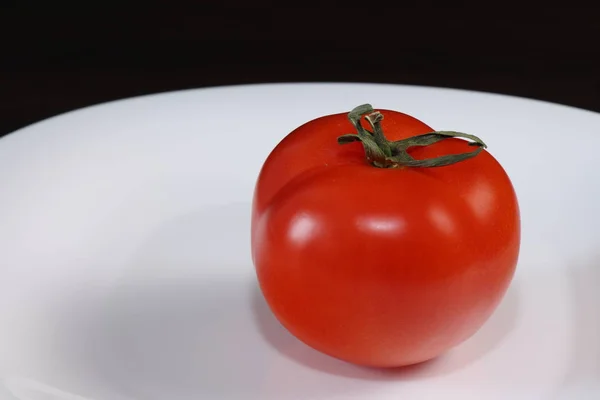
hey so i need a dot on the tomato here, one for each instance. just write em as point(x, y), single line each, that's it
point(385, 248)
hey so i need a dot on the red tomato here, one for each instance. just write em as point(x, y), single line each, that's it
point(383, 260)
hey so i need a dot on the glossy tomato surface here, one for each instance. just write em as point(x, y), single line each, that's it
point(377, 266)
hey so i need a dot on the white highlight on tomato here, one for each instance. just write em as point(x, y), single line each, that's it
point(442, 220)
point(481, 199)
point(383, 224)
point(301, 229)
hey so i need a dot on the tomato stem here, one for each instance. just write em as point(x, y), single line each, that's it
point(383, 153)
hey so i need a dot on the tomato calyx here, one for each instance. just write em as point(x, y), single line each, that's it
point(383, 153)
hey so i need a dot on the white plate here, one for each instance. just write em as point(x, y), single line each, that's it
point(126, 270)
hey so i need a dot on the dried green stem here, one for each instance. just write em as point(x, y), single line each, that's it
point(383, 153)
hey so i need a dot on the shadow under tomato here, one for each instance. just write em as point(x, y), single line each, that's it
point(492, 333)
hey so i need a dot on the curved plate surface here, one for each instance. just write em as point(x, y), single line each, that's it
point(126, 270)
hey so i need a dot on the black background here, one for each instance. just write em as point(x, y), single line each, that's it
point(56, 60)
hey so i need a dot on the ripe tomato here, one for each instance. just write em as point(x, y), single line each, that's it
point(387, 250)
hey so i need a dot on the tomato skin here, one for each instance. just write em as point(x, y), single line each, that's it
point(375, 266)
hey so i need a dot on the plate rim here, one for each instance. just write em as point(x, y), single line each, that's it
point(291, 84)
